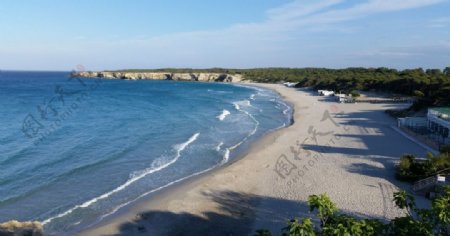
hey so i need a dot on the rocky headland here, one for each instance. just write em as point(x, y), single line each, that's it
point(16, 228)
point(204, 77)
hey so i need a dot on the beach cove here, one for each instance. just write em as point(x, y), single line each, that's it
point(345, 150)
point(75, 151)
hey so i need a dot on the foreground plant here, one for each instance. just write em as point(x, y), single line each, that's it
point(305, 228)
point(420, 222)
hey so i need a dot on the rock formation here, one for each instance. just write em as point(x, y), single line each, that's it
point(205, 77)
point(16, 228)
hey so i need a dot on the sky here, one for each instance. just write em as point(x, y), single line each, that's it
point(140, 34)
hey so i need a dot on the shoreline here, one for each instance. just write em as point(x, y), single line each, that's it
point(160, 196)
point(240, 152)
point(247, 193)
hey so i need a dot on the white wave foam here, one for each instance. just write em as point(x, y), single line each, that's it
point(181, 147)
point(288, 108)
point(157, 189)
point(250, 87)
point(135, 177)
point(252, 132)
point(226, 156)
point(224, 114)
point(225, 159)
point(219, 146)
point(252, 97)
point(238, 104)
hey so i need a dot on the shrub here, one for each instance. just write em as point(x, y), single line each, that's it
point(324, 206)
point(423, 222)
point(294, 228)
point(418, 93)
point(411, 169)
point(405, 162)
point(440, 162)
point(355, 94)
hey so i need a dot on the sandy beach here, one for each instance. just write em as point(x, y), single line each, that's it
point(345, 150)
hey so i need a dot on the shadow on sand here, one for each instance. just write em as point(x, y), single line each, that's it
point(236, 212)
point(235, 216)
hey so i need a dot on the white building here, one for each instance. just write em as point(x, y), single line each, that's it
point(439, 121)
point(325, 92)
point(289, 84)
point(417, 124)
point(344, 98)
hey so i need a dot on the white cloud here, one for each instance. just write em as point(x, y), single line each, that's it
point(373, 6)
point(297, 15)
point(265, 43)
point(298, 8)
point(363, 9)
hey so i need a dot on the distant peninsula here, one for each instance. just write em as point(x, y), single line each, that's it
point(162, 75)
point(431, 86)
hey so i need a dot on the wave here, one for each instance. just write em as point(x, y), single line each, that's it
point(70, 172)
point(237, 106)
point(219, 146)
point(226, 156)
point(288, 108)
point(252, 97)
point(224, 114)
point(219, 91)
point(251, 87)
point(161, 163)
point(155, 190)
point(279, 103)
point(135, 177)
point(287, 111)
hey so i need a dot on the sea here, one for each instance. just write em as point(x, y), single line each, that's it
point(75, 150)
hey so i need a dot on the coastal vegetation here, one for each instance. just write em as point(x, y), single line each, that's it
point(412, 169)
point(431, 87)
point(423, 222)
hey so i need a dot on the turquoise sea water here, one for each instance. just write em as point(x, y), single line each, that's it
point(75, 150)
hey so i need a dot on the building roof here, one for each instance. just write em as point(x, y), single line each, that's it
point(442, 110)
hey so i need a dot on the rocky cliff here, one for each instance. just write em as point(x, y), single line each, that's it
point(205, 77)
point(16, 228)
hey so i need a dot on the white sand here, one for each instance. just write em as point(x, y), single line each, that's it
point(351, 160)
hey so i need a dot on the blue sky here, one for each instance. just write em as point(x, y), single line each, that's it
point(119, 34)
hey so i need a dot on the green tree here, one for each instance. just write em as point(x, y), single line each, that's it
point(419, 222)
point(447, 71)
point(294, 228)
point(404, 200)
point(441, 211)
point(324, 206)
